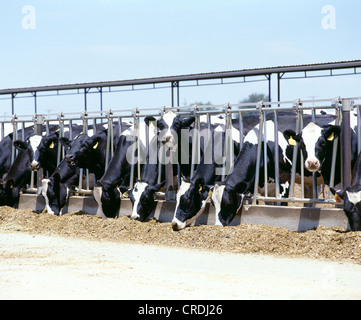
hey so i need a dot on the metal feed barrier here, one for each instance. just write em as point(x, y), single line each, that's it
point(295, 218)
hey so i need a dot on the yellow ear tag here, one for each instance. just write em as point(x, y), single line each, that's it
point(210, 194)
point(331, 137)
point(292, 142)
point(52, 145)
point(200, 188)
point(96, 146)
point(126, 195)
point(338, 198)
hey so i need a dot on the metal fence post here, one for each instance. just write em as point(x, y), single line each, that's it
point(347, 106)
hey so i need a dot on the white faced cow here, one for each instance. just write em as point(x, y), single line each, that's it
point(228, 197)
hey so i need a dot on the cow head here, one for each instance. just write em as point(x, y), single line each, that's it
point(86, 152)
point(315, 142)
point(9, 193)
point(191, 202)
point(31, 145)
point(142, 197)
point(55, 194)
point(110, 199)
point(351, 197)
point(170, 126)
point(227, 202)
point(46, 153)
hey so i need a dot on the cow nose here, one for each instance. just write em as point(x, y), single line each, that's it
point(313, 165)
point(166, 139)
point(34, 165)
point(69, 157)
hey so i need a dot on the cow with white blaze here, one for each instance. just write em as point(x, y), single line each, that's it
point(143, 193)
point(115, 180)
point(316, 142)
point(194, 193)
point(228, 197)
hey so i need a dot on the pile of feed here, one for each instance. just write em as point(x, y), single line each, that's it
point(322, 243)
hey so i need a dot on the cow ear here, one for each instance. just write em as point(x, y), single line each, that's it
point(338, 194)
point(157, 187)
point(20, 145)
point(51, 143)
point(149, 119)
point(186, 122)
point(332, 132)
point(199, 184)
point(95, 142)
point(292, 137)
point(65, 142)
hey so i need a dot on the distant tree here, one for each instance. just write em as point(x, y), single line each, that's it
point(256, 97)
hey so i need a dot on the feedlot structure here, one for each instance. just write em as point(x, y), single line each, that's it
point(309, 202)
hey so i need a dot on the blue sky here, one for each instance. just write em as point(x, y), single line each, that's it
point(99, 40)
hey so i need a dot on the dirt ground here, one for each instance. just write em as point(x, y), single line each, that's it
point(78, 256)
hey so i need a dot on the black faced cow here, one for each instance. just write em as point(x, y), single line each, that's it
point(87, 152)
point(16, 179)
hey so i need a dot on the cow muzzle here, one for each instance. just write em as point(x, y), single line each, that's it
point(35, 166)
point(313, 165)
point(178, 225)
point(70, 160)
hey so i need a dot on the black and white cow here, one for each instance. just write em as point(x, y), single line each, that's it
point(351, 197)
point(16, 179)
point(87, 152)
point(194, 193)
point(46, 155)
point(228, 197)
point(144, 190)
point(6, 148)
point(115, 181)
point(316, 142)
point(56, 189)
point(81, 152)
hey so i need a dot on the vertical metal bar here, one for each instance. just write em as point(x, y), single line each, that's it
point(302, 160)
point(259, 153)
point(241, 139)
point(334, 152)
point(13, 95)
point(277, 155)
point(172, 89)
point(85, 100)
point(346, 138)
point(279, 86)
point(314, 174)
point(265, 158)
point(101, 98)
point(358, 130)
point(35, 103)
point(295, 155)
